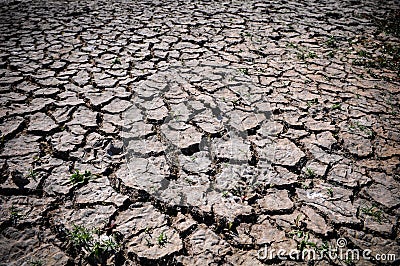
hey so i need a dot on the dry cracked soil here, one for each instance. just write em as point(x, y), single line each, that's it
point(199, 132)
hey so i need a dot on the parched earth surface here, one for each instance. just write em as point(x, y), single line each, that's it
point(203, 131)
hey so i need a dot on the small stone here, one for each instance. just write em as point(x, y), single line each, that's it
point(84, 116)
point(275, 201)
point(346, 175)
point(316, 222)
point(184, 223)
point(357, 144)
point(282, 152)
point(19, 246)
point(139, 217)
point(10, 126)
point(228, 208)
point(58, 181)
point(82, 78)
point(65, 141)
point(27, 144)
point(209, 124)
point(183, 139)
point(233, 149)
point(265, 233)
point(387, 196)
point(99, 98)
point(99, 190)
point(158, 114)
point(319, 125)
point(203, 241)
point(117, 106)
point(321, 155)
point(41, 123)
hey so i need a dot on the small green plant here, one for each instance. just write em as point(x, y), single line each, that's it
point(101, 247)
point(304, 185)
point(311, 102)
point(298, 233)
point(298, 221)
point(362, 128)
point(304, 243)
point(304, 239)
point(301, 56)
point(80, 236)
point(324, 247)
point(162, 239)
point(363, 53)
point(244, 71)
point(291, 45)
point(97, 249)
point(15, 214)
point(32, 174)
point(331, 42)
point(109, 244)
point(78, 178)
point(386, 56)
point(349, 262)
point(237, 191)
point(330, 191)
point(375, 213)
point(225, 194)
point(35, 262)
point(310, 172)
point(91, 242)
point(230, 225)
point(336, 106)
point(190, 181)
point(312, 55)
point(116, 61)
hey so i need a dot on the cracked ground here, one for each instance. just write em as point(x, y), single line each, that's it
point(198, 132)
